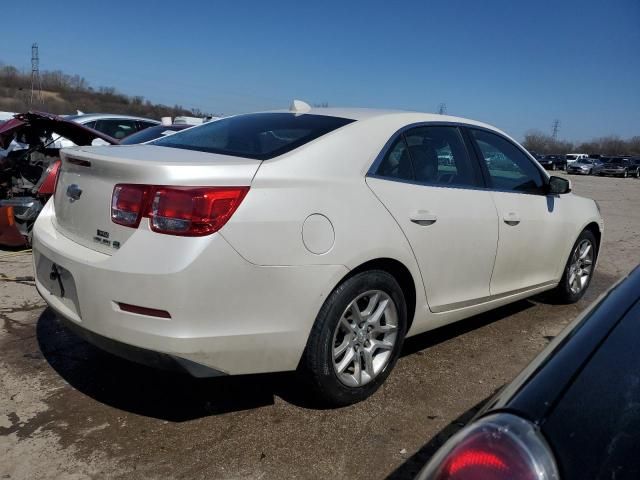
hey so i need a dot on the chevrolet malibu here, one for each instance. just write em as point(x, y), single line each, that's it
point(309, 240)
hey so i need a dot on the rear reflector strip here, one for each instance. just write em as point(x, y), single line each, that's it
point(151, 312)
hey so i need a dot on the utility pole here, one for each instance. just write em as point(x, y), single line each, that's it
point(442, 109)
point(36, 81)
point(555, 128)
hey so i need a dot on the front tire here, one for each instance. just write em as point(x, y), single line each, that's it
point(356, 339)
point(578, 270)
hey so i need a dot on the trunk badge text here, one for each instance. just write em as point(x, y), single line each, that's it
point(103, 238)
point(74, 192)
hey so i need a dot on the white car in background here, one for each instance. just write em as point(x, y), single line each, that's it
point(574, 157)
point(310, 239)
point(116, 126)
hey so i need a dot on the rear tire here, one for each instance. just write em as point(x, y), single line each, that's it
point(578, 270)
point(356, 339)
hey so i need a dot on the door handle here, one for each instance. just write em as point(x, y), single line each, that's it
point(423, 217)
point(511, 219)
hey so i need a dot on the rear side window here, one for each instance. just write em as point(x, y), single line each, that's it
point(117, 128)
point(431, 155)
point(439, 156)
point(396, 163)
point(260, 136)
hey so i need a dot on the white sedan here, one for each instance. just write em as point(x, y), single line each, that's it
point(307, 239)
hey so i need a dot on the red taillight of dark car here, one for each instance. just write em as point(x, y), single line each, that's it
point(184, 211)
point(497, 447)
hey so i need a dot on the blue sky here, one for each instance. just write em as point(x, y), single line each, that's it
point(517, 65)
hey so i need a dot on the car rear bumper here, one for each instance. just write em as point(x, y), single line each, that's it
point(225, 313)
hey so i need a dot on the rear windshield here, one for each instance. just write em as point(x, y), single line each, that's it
point(260, 136)
point(147, 134)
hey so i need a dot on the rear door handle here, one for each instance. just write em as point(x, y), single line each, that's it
point(511, 219)
point(423, 217)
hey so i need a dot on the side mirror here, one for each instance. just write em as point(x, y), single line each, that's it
point(558, 186)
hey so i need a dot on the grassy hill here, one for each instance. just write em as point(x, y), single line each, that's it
point(64, 94)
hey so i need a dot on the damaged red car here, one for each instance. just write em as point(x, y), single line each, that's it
point(29, 162)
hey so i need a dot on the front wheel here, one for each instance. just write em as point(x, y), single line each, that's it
point(356, 339)
point(578, 270)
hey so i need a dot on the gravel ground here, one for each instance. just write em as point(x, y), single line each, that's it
point(68, 410)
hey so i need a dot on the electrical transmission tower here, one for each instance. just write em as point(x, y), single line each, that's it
point(36, 81)
point(442, 109)
point(555, 128)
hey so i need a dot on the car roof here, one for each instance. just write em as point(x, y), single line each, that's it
point(87, 117)
point(399, 116)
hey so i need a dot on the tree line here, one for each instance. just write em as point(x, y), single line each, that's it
point(64, 94)
point(539, 142)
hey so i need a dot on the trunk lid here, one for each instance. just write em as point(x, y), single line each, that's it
point(88, 175)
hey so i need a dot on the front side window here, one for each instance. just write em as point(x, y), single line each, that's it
point(509, 168)
point(259, 136)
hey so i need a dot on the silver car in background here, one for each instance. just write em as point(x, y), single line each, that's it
point(585, 166)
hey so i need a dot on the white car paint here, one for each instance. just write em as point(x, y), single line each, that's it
point(244, 299)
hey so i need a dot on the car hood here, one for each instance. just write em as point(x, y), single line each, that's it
point(36, 124)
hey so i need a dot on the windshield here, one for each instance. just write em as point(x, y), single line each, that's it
point(616, 161)
point(260, 136)
point(584, 160)
point(571, 157)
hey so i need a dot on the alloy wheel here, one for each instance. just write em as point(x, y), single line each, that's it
point(364, 338)
point(581, 266)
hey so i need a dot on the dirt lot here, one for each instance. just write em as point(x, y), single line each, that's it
point(68, 410)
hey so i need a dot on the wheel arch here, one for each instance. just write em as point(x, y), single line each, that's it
point(397, 270)
point(594, 228)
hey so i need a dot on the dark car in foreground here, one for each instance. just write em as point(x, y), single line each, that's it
point(553, 162)
point(619, 167)
point(585, 166)
point(573, 413)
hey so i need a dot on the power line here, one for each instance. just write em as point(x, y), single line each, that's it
point(36, 81)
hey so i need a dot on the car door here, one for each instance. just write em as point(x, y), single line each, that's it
point(533, 226)
point(432, 187)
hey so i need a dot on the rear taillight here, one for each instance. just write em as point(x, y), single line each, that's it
point(498, 447)
point(128, 203)
point(186, 211)
point(48, 187)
